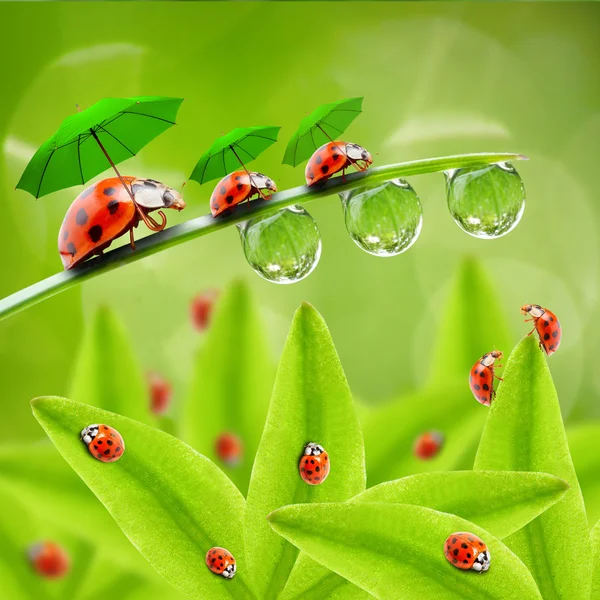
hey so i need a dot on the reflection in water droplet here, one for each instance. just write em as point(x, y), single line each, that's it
point(488, 201)
point(284, 247)
point(384, 220)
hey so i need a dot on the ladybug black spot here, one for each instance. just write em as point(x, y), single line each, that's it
point(107, 451)
point(113, 206)
point(317, 478)
point(486, 387)
point(99, 441)
point(546, 336)
point(229, 199)
point(319, 159)
point(477, 387)
point(555, 334)
point(240, 186)
point(65, 235)
point(110, 191)
point(468, 555)
point(463, 545)
point(238, 178)
point(110, 442)
point(454, 540)
point(81, 218)
point(324, 169)
point(223, 190)
point(118, 449)
point(71, 248)
point(95, 233)
point(335, 156)
point(455, 552)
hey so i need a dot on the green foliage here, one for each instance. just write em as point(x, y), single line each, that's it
point(311, 402)
point(582, 440)
point(396, 550)
point(595, 536)
point(524, 432)
point(232, 382)
point(171, 502)
point(107, 373)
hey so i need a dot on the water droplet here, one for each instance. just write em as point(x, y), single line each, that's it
point(383, 220)
point(284, 247)
point(488, 201)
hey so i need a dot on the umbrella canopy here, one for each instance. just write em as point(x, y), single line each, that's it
point(114, 127)
point(325, 124)
point(233, 150)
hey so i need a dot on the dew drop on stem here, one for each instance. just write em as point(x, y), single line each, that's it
point(487, 201)
point(383, 220)
point(284, 247)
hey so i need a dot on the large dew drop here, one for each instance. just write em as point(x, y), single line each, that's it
point(488, 201)
point(284, 247)
point(383, 220)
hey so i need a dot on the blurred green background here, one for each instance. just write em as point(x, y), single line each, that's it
point(437, 79)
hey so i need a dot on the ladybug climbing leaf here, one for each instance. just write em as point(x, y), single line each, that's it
point(107, 373)
point(171, 502)
point(311, 403)
point(396, 551)
point(511, 501)
point(524, 431)
point(231, 384)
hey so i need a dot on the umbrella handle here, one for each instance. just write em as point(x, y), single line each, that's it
point(150, 222)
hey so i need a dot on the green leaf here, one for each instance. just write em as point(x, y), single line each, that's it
point(586, 458)
point(500, 502)
point(525, 432)
point(391, 430)
point(311, 402)
point(232, 383)
point(472, 324)
point(396, 551)
point(48, 488)
point(107, 373)
point(595, 535)
point(171, 502)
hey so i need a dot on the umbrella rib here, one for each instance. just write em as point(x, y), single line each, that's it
point(244, 150)
point(126, 112)
point(262, 137)
point(43, 173)
point(79, 158)
point(117, 140)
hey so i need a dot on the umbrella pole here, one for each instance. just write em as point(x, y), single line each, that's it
point(149, 221)
point(354, 163)
point(247, 172)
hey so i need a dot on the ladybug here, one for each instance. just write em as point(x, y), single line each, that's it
point(334, 157)
point(49, 559)
point(228, 448)
point(160, 393)
point(105, 211)
point(467, 551)
point(103, 442)
point(428, 445)
point(547, 326)
point(314, 465)
point(481, 378)
point(239, 186)
point(201, 308)
point(221, 562)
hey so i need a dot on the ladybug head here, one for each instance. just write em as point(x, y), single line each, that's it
point(487, 360)
point(229, 571)
point(89, 433)
point(312, 449)
point(262, 182)
point(359, 154)
point(152, 194)
point(535, 310)
point(482, 562)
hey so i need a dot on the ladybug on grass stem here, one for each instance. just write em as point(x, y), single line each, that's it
point(237, 187)
point(334, 157)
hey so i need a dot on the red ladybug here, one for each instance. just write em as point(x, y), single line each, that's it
point(105, 211)
point(221, 562)
point(239, 186)
point(547, 326)
point(314, 465)
point(104, 442)
point(228, 448)
point(49, 559)
point(334, 157)
point(201, 308)
point(481, 378)
point(160, 393)
point(467, 551)
point(428, 445)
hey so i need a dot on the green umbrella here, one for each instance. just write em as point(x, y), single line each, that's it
point(95, 139)
point(323, 125)
point(232, 151)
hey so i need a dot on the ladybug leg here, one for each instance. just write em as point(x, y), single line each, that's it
point(131, 240)
point(532, 332)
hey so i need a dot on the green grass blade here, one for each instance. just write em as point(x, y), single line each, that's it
point(206, 224)
point(232, 383)
point(525, 432)
point(311, 402)
point(396, 551)
point(169, 500)
point(107, 373)
point(586, 459)
point(500, 502)
point(596, 566)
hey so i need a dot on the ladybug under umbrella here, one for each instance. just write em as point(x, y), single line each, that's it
point(316, 141)
point(226, 160)
point(85, 145)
